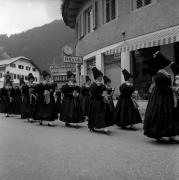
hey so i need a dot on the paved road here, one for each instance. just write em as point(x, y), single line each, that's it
point(31, 152)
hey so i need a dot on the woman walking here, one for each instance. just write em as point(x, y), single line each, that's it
point(85, 96)
point(160, 122)
point(46, 100)
point(127, 113)
point(7, 98)
point(98, 113)
point(71, 111)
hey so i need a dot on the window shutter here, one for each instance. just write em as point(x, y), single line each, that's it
point(95, 6)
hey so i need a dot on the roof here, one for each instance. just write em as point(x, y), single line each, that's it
point(6, 62)
point(70, 9)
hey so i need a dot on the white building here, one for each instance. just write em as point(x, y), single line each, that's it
point(18, 67)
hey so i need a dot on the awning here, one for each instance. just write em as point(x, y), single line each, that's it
point(159, 38)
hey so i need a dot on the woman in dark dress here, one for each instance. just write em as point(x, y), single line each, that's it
point(127, 113)
point(46, 100)
point(17, 101)
point(160, 122)
point(85, 96)
point(29, 99)
point(7, 98)
point(98, 113)
point(71, 111)
point(109, 93)
point(176, 89)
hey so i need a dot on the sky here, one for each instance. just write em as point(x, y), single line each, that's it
point(17, 16)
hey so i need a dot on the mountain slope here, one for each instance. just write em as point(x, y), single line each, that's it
point(40, 44)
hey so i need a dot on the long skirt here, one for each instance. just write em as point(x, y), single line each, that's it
point(177, 117)
point(159, 119)
point(28, 108)
point(85, 101)
point(6, 105)
point(126, 113)
point(100, 115)
point(17, 105)
point(47, 112)
point(71, 111)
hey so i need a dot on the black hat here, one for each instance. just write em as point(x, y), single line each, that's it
point(175, 68)
point(160, 61)
point(21, 81)
point(7, 75)
point(106, 79)
point(45, 74)
point(69, 74)
point(30, 76)
point(87, 78)
point(96, 73)
point(8, 81)
point(126, 74)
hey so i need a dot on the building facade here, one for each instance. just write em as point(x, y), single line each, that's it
point(18, 67)
point(115, 34)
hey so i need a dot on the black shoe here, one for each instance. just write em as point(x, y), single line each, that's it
point(174, 141)
point(162, 141)
point(51, 125)
point(92, 130)
point(124, 127)
point(68, 125)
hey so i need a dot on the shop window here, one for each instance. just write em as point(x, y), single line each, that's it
point(137, 4)
point(109, 10)
point(143, 70)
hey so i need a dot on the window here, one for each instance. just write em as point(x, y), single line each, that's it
point(110, 10)
point(0, 75)
point(20, 66)
point(27, 68)
point(18, 76)
point(89, 20)
point(137, 4)
point(12, 65)
point(15, 76)
point(26, 78)
point(34, 69)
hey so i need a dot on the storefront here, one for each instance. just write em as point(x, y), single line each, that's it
point(90, 63)
point(112, 69)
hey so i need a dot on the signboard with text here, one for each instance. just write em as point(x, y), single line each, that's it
point(73, 59)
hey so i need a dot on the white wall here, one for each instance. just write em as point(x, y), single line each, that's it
point(23, 72)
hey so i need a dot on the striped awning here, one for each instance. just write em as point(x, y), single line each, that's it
point(159, 38)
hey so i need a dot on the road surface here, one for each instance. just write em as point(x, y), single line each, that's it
point(32, 152)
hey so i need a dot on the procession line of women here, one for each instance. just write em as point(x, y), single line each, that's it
point(94, 102)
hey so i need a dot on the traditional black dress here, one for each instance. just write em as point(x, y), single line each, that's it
point(58, 100)
point(71, 111)
point(99, 113)
point(46, 102)
point(17, 101)
point(85, 99)
point(7, 100)
point(126, 112)
point(29, 101)
point(159, 117)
